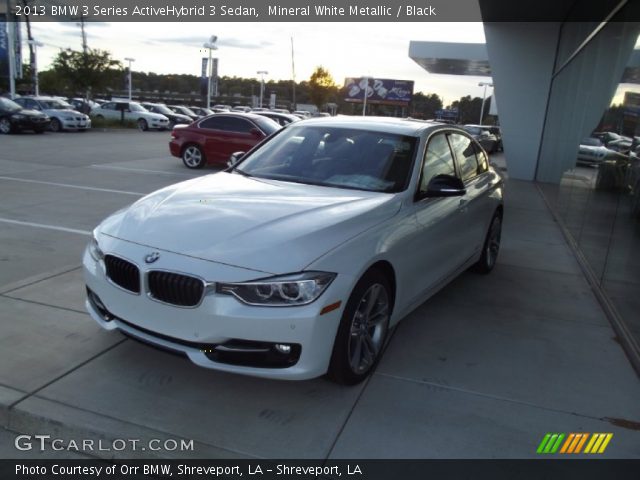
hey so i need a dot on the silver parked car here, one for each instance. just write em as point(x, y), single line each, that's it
point(62, 114)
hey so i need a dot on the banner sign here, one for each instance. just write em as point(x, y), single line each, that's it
point(4, 47)
point(203, 77)
point(380, 91)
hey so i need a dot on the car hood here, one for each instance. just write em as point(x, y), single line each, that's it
point(63, 112)
point(157, 116)
point(270, 226)
point(179, 116)
point(30, 113)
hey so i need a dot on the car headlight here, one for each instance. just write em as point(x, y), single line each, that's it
point(94, 249)
point(281, 291)
point(19, 116)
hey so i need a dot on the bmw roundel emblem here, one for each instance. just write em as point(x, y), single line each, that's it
point(152, 257)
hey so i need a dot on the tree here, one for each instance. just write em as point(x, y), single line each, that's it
point(321, 86)
point(84, 71)
point(425, 106)
point(469, 109)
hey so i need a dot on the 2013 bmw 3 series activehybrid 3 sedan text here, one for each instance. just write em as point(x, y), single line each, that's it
point(298, 259)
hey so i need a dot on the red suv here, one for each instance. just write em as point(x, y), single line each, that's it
point(213, 139)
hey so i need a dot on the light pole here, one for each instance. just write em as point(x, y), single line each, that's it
point(262, 73)
point(366, 94)
point(130, 60)
point(36, 83)
point(484, 97)
point(211, 45)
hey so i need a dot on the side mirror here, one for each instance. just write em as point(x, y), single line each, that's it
point(235, 158)
point(445, 186)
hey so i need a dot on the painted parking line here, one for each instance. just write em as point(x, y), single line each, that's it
point(45, 226)
point(67, 185)
point(142, 170)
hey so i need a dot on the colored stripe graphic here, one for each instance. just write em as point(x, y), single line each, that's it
point(597, 443)
point(550, 443)
point(574, 443)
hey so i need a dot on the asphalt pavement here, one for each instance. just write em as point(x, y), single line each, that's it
point(484, 369)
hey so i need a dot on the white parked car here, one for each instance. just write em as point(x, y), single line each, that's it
point(62, 114)
point(593, 152)
point(298, 260)
point(133, 112)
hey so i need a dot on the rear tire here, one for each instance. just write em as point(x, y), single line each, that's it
point(491, 246)
point(363, 330)
point(193, 157)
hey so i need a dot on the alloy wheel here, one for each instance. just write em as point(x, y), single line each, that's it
point(5, 126)
point(493, 243)
point(192, 157)
point(368, 328)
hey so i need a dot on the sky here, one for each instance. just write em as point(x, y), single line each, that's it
point(346, 49)
point(378, 50)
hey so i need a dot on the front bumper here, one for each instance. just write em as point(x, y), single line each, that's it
point(157, 123)
point(220, 333)
point(76, 123)
point(32, 123)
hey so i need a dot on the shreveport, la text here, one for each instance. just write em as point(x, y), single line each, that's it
point(212, 470)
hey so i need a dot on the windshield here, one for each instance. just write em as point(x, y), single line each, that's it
point(55, 105)
point(9, 105)
point(335, 157)
point(136, 107)
point(184, 111)
point(162, 109)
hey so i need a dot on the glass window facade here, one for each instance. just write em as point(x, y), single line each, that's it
point(597, 196)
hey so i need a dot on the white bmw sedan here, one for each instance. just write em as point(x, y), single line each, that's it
point(298, 260)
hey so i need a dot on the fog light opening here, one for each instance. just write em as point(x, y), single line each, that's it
point(283, 348)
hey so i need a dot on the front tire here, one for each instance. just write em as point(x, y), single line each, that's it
point(5, 126)
point(143, 126)
point(193, 157)
point(55, 126)
point(362, 331)
point(491, 246)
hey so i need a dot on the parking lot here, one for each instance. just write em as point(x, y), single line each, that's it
point(482, 370)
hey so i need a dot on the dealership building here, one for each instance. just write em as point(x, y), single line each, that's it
point(554, 82)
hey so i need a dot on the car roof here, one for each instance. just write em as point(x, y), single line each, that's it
point(41, 97)
point(253, 116)
point(400, 126)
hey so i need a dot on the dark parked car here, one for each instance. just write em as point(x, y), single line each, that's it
point(213, 139)
point(483, 136)
point(14, 118)
point(174, 118)
point(498, 134)
point(282, 119)
point(82, 105)
point(201, 111)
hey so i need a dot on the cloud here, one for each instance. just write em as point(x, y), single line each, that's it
point(222, 43)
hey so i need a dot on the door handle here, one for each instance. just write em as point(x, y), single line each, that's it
point(462, 206)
